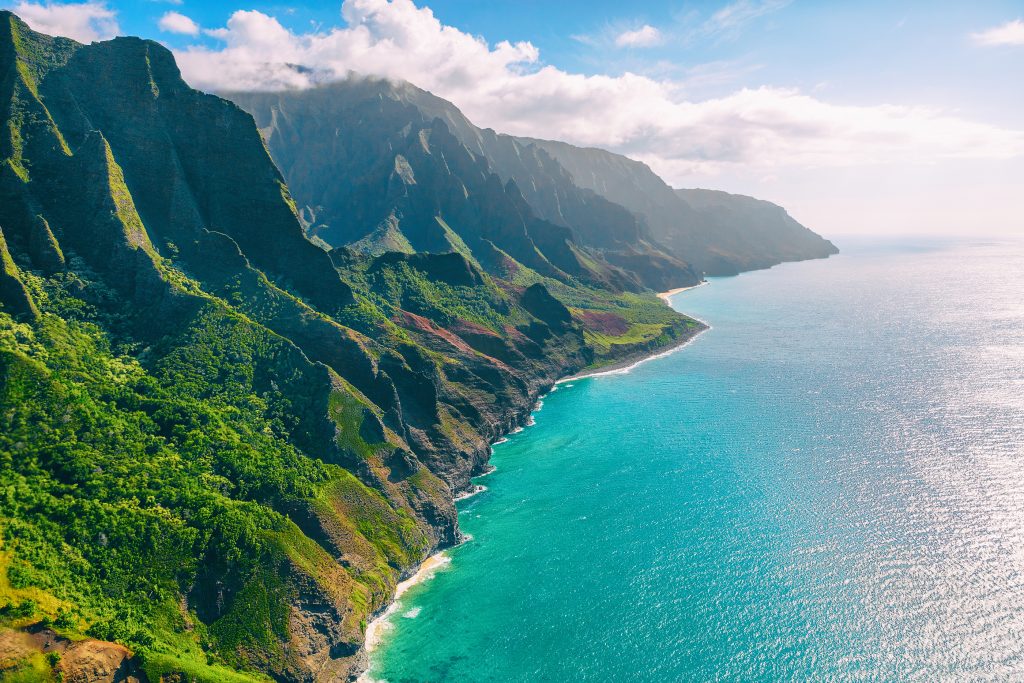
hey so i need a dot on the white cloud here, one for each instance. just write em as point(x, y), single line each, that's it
point(689, 27)
point(645, 36)
point(84, 22)
point(733, 17)
point(175, 22)
point(772, 128)
point(1010, 33)
point(506, 87)
point(394, 39)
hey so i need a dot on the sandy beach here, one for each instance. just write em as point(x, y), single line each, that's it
point(665, 296)
point(379, 626)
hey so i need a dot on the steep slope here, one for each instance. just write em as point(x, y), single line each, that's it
point(737, 221)
point(616, 209)
point(720, 237)
point(222, 445)
point(420, 158)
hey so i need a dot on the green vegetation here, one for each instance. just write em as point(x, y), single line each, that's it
point(222, 446)
point(34, 669)
point(115, 487)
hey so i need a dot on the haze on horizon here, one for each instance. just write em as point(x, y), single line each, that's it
point(874, 118)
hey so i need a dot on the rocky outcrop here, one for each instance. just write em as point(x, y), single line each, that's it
point(14, 298)
point(538, 301)
point(94, 661)
point(79, 661)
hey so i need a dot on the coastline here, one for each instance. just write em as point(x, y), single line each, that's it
point(626, 364)
point(632, 360)
point(666, 296)
point(380, 624)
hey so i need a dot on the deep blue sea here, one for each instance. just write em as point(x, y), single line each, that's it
point(827, 485)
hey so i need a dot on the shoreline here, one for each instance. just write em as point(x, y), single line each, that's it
point(666, 296)
point(632, 360)
point(381, 623)
point(624, 366)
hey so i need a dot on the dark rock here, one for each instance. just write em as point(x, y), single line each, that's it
point(43, 247)
point(538, 301)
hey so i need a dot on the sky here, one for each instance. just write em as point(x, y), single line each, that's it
point(865, 117)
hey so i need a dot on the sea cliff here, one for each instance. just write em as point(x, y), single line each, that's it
point(224, 442)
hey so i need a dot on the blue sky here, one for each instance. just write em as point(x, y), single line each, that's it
point(859, 117)
point(902, 52)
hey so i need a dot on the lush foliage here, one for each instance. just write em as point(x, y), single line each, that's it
point(220, 444)
point(119, 486)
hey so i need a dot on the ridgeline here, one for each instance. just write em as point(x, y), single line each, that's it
point(223, 441)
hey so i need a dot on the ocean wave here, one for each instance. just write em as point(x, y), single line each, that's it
point(476, 488)
point(379, 626)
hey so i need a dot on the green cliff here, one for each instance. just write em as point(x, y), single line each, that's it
point(221, 443)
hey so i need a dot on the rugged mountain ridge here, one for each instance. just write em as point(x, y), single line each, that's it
point(615, 208)
point(723, 235)
point(221, 444)
point(737, 221)
point(422, 159)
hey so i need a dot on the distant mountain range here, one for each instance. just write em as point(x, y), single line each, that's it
point(419, 187)
point(719, 233)
point(618, 212)
point(237, 396)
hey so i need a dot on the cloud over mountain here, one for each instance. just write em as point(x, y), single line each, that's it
point(85, 22)
point(508, 87)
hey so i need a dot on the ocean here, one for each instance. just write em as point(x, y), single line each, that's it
point(826, 485)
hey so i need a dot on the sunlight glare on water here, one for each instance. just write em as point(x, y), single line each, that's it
point(827, 485)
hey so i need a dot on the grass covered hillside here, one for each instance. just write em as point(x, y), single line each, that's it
point(222, 445)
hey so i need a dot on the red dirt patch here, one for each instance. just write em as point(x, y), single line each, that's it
point(468, 327)
point(605, 323)
point(83, 661)
point(89, 661)
point(421, 324)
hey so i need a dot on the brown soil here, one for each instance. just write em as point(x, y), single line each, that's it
point(83, 661)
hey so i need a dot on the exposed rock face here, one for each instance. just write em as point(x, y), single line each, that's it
point(93, 661)
point(13, 295)
point(228, 443)
point(80, 661)
point(538, 301)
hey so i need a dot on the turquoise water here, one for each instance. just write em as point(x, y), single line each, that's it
point(827, 485)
